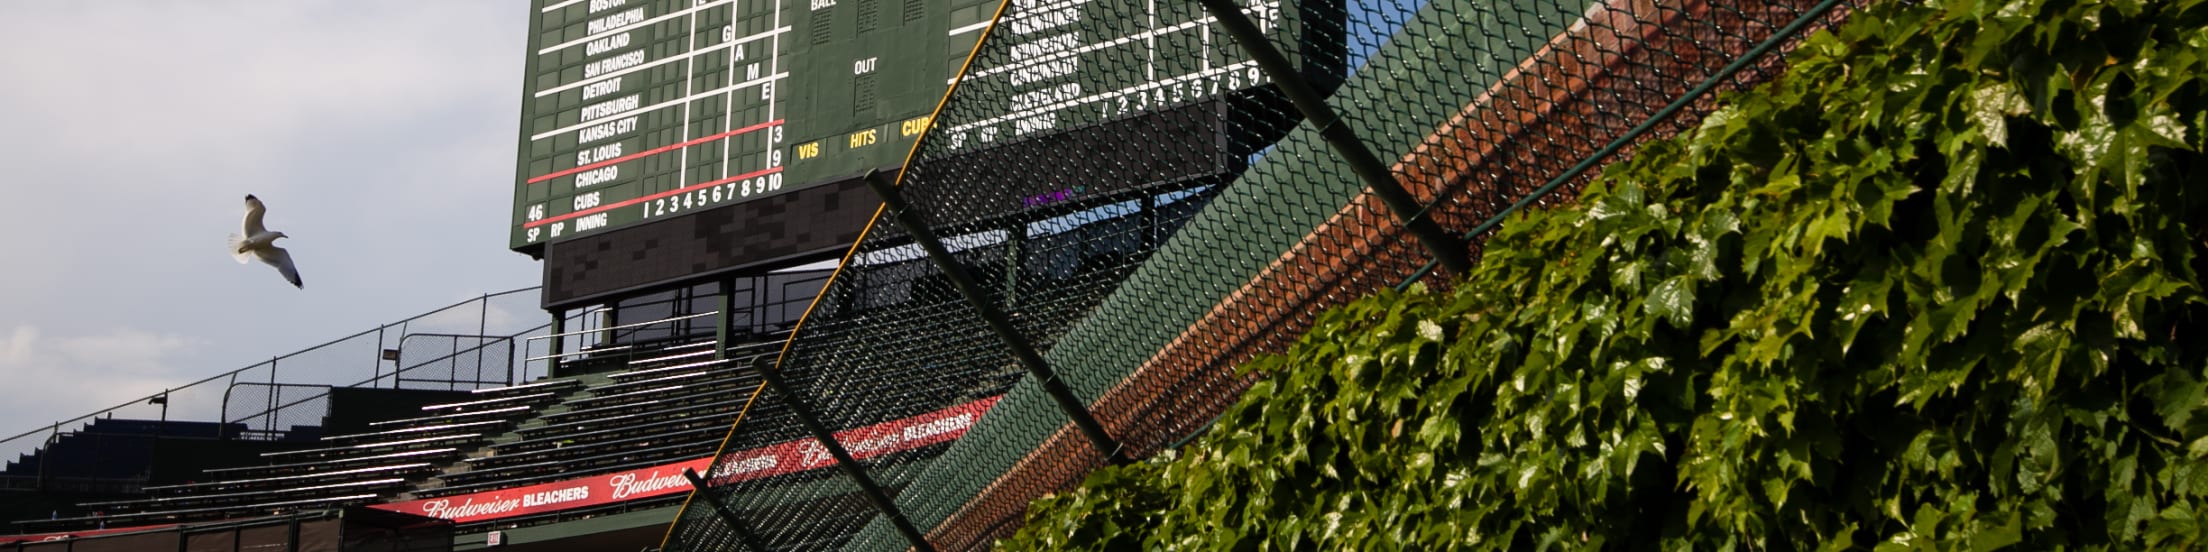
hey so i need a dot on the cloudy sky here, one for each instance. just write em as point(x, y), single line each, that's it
point(380, 134)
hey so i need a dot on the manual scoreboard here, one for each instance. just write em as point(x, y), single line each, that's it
point(744, 124)
point(643, 109)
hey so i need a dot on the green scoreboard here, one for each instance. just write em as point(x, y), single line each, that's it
point(744, 124)
point(640, 109)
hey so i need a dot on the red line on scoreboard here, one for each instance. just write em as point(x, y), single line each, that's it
point(656, 151)
point(674, 192)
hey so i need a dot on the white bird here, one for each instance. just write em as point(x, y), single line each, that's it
point(257, 241)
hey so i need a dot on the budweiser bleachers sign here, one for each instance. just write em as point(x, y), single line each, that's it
point(781, 458)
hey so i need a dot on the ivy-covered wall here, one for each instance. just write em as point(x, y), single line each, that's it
point(1938, 287)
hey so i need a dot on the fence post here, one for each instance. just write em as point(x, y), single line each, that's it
point(867, 486)
point(222, 420)
point(482, 328)
point(45, 478)
point(268, 418)
point(375, 374)
point(1020, 349)
point(1446, 248)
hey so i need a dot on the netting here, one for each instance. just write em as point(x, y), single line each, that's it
point(1146, 205)
point(262, 411)
point(455, 362)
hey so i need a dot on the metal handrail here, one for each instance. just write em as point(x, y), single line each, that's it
point(56, 426)
point(378, 378)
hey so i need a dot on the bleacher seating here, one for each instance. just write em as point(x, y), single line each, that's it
point(107, 454)
point(672, 403)
point(352, 468)
point(662, 402)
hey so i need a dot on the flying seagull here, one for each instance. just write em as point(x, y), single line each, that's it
point(259, 242)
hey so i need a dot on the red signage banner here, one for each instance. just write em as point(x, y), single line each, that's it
point(777, 459)
point(863, 443)
point(555, 496)
point(782, 458)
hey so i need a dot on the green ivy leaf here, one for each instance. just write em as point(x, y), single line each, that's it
point(1932, 289)
point(1673, 301)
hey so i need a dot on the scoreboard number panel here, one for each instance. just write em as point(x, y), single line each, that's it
point(641, 110)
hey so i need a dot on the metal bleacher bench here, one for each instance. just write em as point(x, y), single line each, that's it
point(257, 508)
point(195, 499)
point(326, 451)
point(626, 420)
point(499, 401)
point(281, 468)
point(444, 418)
point(591, 436)
point(430, 430)
point(319, 476)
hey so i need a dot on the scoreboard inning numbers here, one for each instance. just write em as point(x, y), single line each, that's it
point(640, 110)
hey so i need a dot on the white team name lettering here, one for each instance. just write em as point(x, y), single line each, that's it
point(615, 21)
point(603, 5)
point(1039, 98)
point(597, 176)
point(595, 133)
point(1039, 72)
point(606, 44)
point(597, 154)
point(614, 63)
point(1045, 46)
point(1046, 20)
point(1046, 70)
point(602, 88)
point(610, 108)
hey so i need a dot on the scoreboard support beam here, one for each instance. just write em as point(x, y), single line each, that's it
point(1067, 402)
point(1446, 248)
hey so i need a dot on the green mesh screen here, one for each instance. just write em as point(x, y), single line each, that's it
point(1148, 209)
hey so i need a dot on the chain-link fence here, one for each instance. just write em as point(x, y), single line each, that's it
point(454, 362)
point(269, 412)
point(1121, 201)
